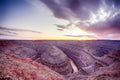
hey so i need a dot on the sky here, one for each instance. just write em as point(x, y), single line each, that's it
point(60, 19)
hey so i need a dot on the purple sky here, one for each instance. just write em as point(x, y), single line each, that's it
point(62, 19)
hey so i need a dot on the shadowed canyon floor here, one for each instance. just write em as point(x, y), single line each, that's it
point(60, 60)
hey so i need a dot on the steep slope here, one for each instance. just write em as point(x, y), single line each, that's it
point(19, 50)
point(110, 72)
point(55, 59)
point(15, 68)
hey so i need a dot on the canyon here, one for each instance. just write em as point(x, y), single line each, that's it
point(60, 60)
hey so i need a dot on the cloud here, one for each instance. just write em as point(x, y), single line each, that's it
point(68, 9)
point(111, 26)
point(4, 31)
point(4, 34)
point(82, 36)
point(63, 27)
point(12, 29)
point(101, 17)
point(57, 9)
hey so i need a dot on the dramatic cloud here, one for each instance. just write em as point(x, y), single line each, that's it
point(68, 9)
point(58, 10)
point(97, 16)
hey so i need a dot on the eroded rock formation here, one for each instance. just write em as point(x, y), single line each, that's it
point(55, 59)
point(90, 59)
point(110, 72)
point(15, 68)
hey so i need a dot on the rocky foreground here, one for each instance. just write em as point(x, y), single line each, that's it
point(15, 68)
point(59, 60)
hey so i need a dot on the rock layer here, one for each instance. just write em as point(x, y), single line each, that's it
point(92, 60)
point(15, 68)
point(110, 72)
point(55, 59)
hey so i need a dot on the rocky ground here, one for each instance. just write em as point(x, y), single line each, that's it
point(16, 68)
point(60, 60)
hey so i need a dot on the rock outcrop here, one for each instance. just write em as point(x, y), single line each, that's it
point(110, 72)
point(55, 59)
point(19, 50)
point(15, 68)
